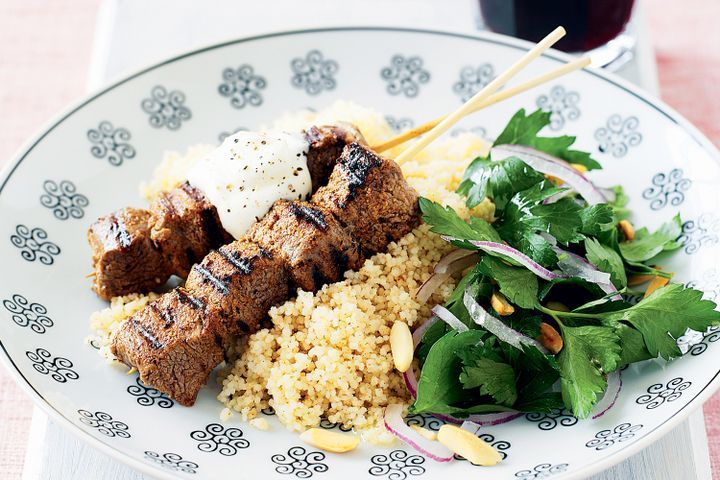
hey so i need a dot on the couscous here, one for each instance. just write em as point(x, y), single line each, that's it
point(327, 354)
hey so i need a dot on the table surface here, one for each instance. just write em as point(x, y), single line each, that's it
point(125, 40)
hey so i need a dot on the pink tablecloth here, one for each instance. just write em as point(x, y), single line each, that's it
point(687, 45)
point(44, 56)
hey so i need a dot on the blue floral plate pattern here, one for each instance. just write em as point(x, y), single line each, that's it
point(90, 160)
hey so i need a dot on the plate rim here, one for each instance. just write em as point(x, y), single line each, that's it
point(487, 37)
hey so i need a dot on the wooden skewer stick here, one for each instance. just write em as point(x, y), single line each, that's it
point(467, 107)
point(491, 100)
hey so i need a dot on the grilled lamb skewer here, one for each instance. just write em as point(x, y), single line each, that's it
point(370, 198)
point(315, 248)
point(174, 341)
point(178, 340)
point(137, 250)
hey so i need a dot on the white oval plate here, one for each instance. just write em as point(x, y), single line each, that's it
point(90, 161)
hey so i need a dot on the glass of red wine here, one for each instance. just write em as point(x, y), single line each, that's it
point(597, 27)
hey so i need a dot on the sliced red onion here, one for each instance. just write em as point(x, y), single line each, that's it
point(614, 385)
point(395, 423)
point(548, 238)
point(481, 419)
point(610, 288)
point(428, 288)
point(608, 193)
point(462, 264)
point(411, 381)
point(559, 196)
point(574, 265)
point(484, 420)
point(420, 331)
point(447, 418)
point(490, 419)
point(571, 265)
point(549, 165)
point(409, 376)
point(471, 427)
point(497, 327)
point(516, 255)
point(447, 316)
point(452, 260)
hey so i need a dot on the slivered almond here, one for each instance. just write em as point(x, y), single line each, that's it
point(501, 305)
point(554, 180)
point(429, 434)
point(639, 279)
point(550, 338)
point(557, 306)
point(558, 181)
point(657, 282)
point(401, 346)
point(627, 229)
point(635, 280)
point(468, 446)
point(330, 441)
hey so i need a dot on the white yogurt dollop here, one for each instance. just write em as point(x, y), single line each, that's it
point(249, 172)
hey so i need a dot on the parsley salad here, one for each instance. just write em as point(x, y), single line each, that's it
point(559, 293)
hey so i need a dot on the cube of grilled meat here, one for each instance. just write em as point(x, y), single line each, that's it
point(313, 245)
point(230, 292)
point(242, 281)
point(327, 144)
point(184, 226)
point(124, 257)
point(371, 198)
point(178, 330)
point(306, 240)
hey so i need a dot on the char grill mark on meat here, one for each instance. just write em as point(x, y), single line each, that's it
point(252, 288)
point(309, 214)
point(289, 244)
point(177, 359)
point(326, 145)
point(147, 334)
point(185, 226)
point(119, 232)
point(243, 265)
point(182, 227)
point(357, 165)
point(219, 284)
point(169, 320)
point(190, 300)
point(371, 198)
point(124, 257)
point(308, 240)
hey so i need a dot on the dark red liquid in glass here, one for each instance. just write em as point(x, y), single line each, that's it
point(589, 23)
